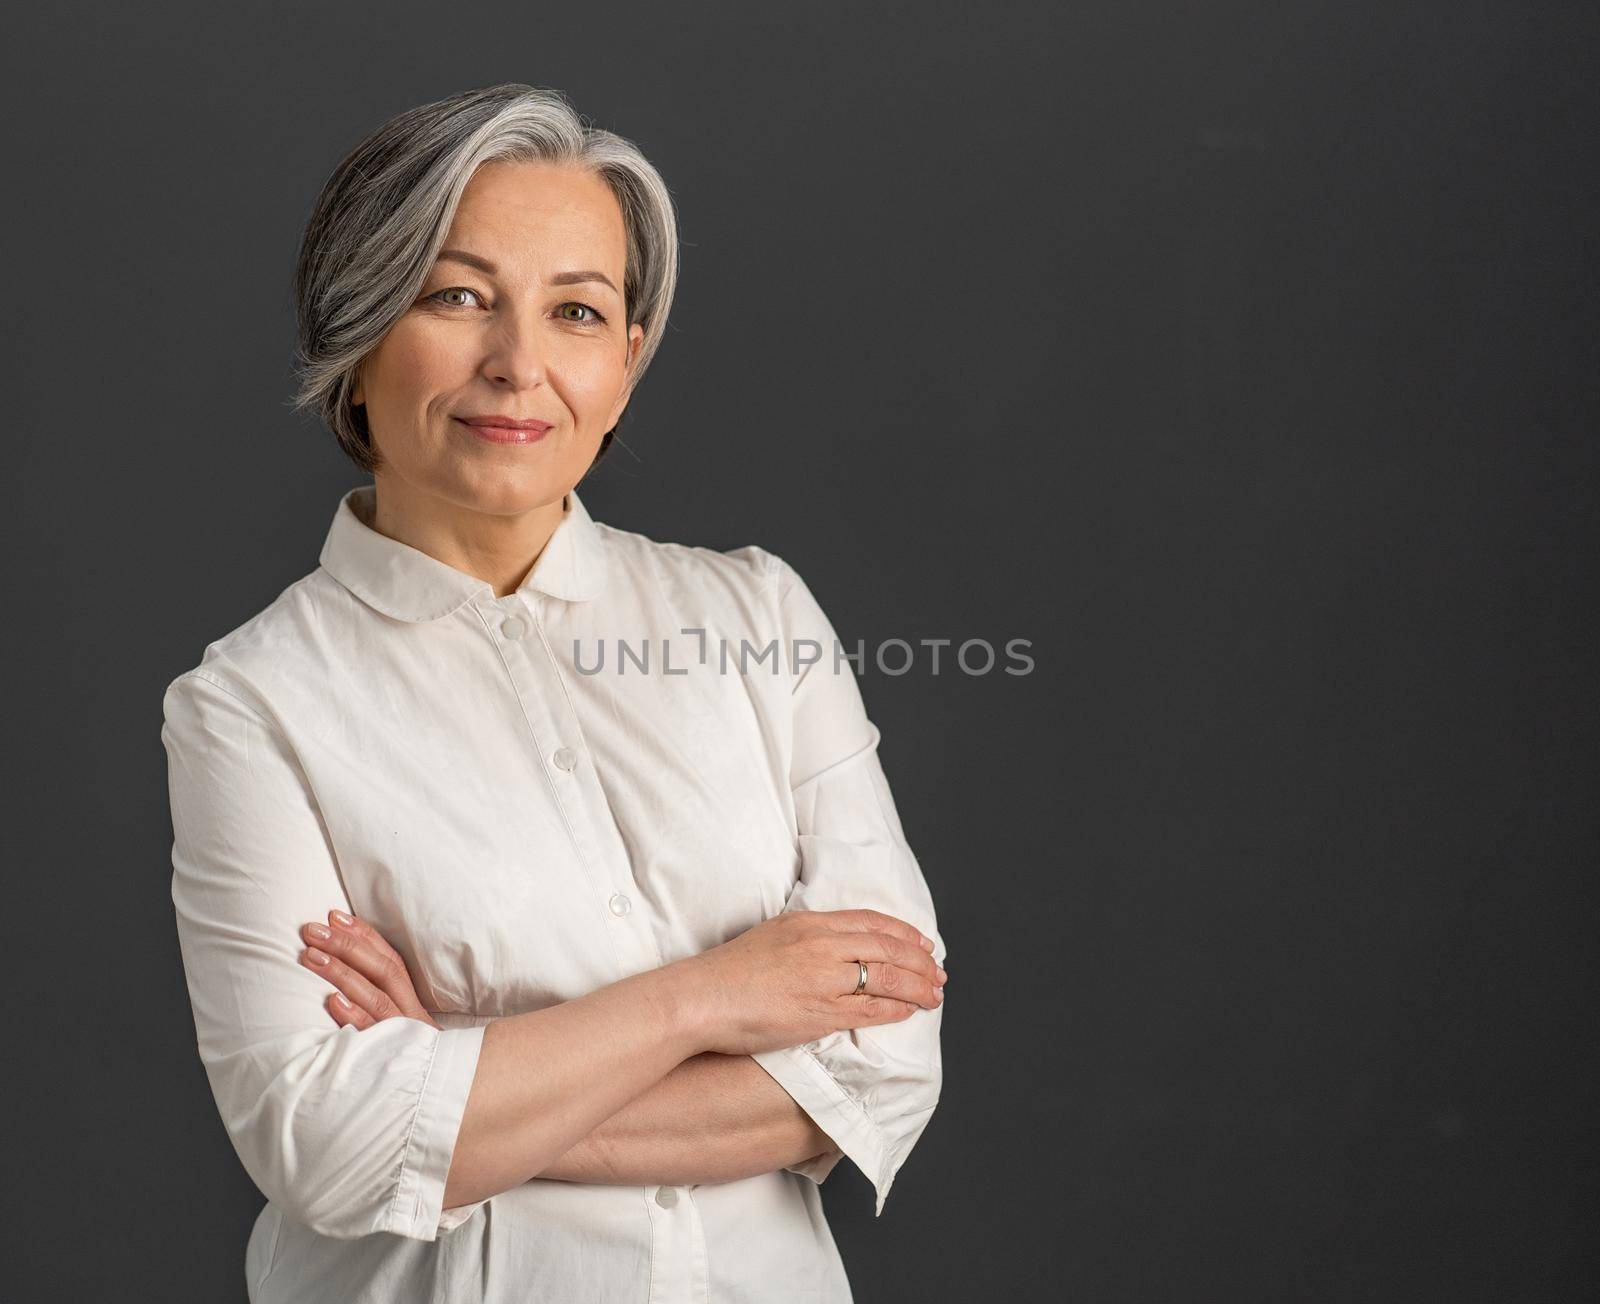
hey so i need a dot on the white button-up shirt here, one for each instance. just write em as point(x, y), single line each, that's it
point(644, 751)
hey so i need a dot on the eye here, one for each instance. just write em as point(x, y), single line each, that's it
point(596, 319)
point(437, 295)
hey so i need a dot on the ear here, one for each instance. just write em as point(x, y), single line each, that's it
point(635, 343)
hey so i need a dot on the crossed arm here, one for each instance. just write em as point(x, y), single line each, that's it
point(714, 1118)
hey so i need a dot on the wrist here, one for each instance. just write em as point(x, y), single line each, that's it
point(680, 997)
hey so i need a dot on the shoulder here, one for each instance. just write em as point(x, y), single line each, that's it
point(286, 638)
point(749, 589)
point(749, 570)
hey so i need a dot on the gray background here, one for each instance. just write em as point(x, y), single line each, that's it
point(1242, 357)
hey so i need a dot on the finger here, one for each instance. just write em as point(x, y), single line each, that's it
point(403, 991)
point(885, 979)
point(372, 999)
point(867, 920)
point(868, 1011)
point(361, 928)
point(887, 948)
point(385, 972)
point(344, 1013)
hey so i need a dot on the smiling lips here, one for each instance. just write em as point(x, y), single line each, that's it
point(499, 429)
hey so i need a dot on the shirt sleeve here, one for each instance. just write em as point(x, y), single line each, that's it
point(872, 1090)
point(349, 1132)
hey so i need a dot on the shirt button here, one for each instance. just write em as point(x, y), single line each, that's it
point(513, 627)
point(565, 757)
point(666, 1197)
point(620, 905)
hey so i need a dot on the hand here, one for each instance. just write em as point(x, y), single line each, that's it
point(368, 971)
point(792, 979)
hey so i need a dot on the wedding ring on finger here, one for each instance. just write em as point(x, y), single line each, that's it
point(862, 985)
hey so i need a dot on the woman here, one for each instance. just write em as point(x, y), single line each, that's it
point(660, 952)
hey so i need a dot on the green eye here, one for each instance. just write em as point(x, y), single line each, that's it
point(595, 317)
point(438, 295)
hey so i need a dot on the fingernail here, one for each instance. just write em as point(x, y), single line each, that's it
point(339, 917)
point(942, 974)
point(315, 956)
point(340, 1001)
point(319, 931)
point(927, 943)
point(938, 993)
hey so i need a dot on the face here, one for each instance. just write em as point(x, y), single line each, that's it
point(521, 317)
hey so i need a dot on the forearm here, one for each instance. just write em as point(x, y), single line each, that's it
point(714, 1118)
point(548, 1078)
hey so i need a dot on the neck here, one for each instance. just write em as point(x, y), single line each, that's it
point(499, 548)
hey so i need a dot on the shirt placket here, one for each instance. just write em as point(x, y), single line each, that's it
point(557, 737)
point(678, 1272)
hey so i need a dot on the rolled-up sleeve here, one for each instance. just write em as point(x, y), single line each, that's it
point(349, 1132)
point(872, 1090)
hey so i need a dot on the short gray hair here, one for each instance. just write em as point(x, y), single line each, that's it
point(383, 215)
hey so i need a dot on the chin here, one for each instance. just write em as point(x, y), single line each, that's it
point(505, 491)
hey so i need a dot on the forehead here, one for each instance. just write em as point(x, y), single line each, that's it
point(536, 214)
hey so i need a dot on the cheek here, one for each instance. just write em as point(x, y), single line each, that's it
point(592, 377)
point(418, 362)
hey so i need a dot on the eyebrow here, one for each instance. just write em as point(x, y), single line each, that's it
point(489, 269)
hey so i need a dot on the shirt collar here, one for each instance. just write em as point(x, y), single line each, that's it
point(409, 584)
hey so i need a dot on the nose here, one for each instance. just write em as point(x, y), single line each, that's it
point(514, 350)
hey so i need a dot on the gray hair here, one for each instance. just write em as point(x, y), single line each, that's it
point(383, 215)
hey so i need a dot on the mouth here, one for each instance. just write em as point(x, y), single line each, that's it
point(505, 430)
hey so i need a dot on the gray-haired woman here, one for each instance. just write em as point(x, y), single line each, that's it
point(521, 972)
